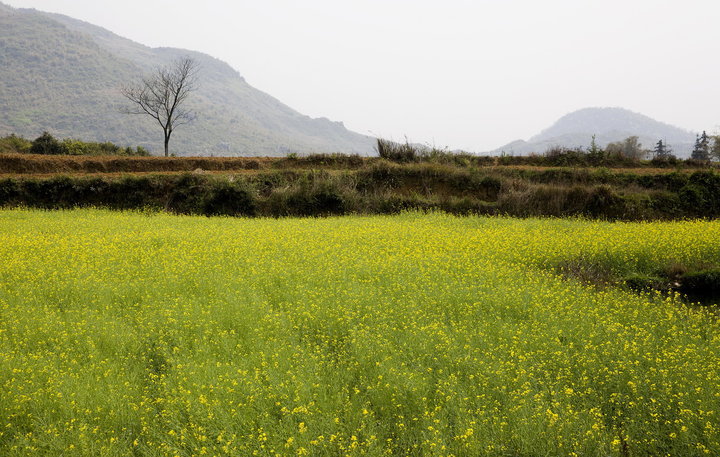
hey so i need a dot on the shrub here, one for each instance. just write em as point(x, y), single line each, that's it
point(75, 147)
point(396, 152)
point(130, 192)
point(338, 160)
point(667, 203)
point(692, 197)
point(9, 191)
point(46, 144)
point(312, 195)
point(141, 151)
point(14, 144)
point(561, 156)
point(665, 161)
point(604, 203)
point(228, 199)
point(186, 194)
point(382, 175)
point(53, 193)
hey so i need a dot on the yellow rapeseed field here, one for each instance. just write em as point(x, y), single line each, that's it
point(146, 334)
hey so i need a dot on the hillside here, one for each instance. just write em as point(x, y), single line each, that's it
point(63, 75)
point(608, 125)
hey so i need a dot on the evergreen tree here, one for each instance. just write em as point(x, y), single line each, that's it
point(715, 151)
point(595, 153)
point(705, 143)
point(661, 151)
point(701, 151)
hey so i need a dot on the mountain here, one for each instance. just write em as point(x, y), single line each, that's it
point(63, 75)
point(608, 125)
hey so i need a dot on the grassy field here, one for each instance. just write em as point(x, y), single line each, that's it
point(146, 334)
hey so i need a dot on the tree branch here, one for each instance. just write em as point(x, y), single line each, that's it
point(162, 94)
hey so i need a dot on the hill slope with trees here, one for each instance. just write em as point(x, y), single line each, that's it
point(608, 125)
point(64, 76)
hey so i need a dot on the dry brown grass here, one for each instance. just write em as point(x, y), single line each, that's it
point(49, 165)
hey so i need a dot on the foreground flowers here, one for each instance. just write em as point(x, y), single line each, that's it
point(150, 334)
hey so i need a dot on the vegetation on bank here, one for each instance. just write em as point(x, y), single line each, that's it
point(46, 144)
point(148, 334)
point(560, 183)
point(384, 187)
point(624, 154)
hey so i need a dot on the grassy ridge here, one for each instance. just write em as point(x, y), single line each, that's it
point(149, 334)
point(14, 158)
point(324, 185)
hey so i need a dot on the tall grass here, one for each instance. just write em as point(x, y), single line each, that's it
point(385, 187)
point(126, 334)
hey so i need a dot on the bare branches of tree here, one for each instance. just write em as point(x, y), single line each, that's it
point(162, 95)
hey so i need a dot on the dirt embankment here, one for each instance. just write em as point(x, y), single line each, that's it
point(45, 165)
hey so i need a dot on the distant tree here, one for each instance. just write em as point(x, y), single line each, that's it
point(629, 148)
point(632, 149)
point(715, 150)
point(46, 144)
point(14, 144)
point(595, 153)
point(701, 151)
point(662, 151)
point(162, 96)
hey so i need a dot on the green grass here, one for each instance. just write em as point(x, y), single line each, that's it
point(149, 334)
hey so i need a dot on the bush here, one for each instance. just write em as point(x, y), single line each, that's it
point(9, 191)
point(53, 193)
point(76, 147)
point(382, 175)
point(336, 160)
point(14, 144)
point(226, 198)
point(186, 195)
point(139, 151)
point(396, 152)
point(666, 203)
point(46, 144)
point(692, 198)
point(604, 203)
point(130, 193)
point(563, 157)
point(323, 200)
point(665, 161)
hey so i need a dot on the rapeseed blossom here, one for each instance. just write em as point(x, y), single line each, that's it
point(420, 334)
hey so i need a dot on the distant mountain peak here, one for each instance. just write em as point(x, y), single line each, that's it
point(607, 124)
point(5, 9)
point(603, 120)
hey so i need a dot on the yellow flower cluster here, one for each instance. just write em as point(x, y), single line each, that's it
point(126, 334)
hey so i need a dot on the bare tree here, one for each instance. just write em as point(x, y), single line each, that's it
point(162, 95)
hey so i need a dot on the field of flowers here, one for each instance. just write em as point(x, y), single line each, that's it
point(146, 334)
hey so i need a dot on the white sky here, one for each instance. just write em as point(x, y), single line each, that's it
point(470, 74)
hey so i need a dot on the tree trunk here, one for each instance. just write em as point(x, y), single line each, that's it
point(167, 142)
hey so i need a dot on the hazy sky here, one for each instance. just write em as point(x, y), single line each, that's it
point(471, 74)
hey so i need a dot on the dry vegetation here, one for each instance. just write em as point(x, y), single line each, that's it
point(341, 184)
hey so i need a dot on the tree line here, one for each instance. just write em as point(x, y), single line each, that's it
point(46, 144)
point(706, 148)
